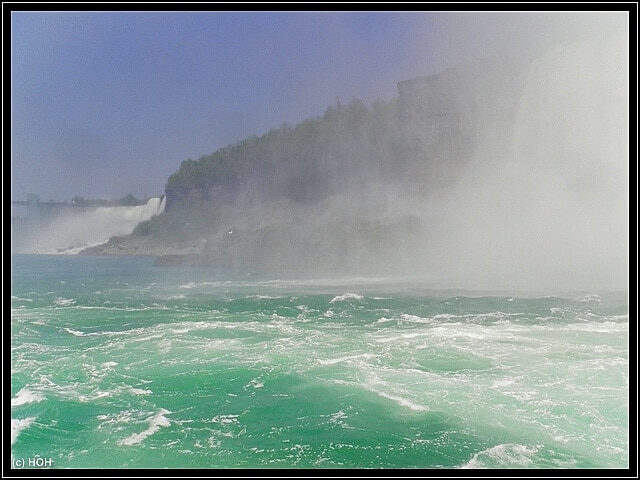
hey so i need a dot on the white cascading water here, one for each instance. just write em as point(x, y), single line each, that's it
point(71, 232)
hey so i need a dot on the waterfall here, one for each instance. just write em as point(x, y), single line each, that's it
point(71, 230)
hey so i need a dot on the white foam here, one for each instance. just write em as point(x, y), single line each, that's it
point(25, 396)
point(155, 422)
point(255, 383)
point(140, 391)
point(402, 338)
point(444, 316)
point(225, 419)
point(414, 318)
point(603, 327)
point(502, 383)
point(100, 394)
point(498, 315)
point(13, 297)
point(385, 320)
point(221, 343)
point(64, 302)
point(333, 361)
point(380, 387)
point(122, 417)
point(77, 333)
point(203, 284)
point(589, 298)
point(18, 425)
point(346, 296)
point(176, 297)
point(503, 455)
point(180, 330)
point(404, 402)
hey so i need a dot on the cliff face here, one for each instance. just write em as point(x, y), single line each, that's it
point(342, 192)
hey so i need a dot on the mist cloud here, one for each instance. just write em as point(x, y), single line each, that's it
point(552, 211)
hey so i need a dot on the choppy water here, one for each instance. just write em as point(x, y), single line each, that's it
point(119, 364)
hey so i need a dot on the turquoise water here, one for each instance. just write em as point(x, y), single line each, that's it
point(119, 364)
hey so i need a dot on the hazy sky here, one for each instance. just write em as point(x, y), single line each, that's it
point(110, 103)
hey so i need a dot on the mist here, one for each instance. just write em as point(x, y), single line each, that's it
point(522, 186)
point(552, 210)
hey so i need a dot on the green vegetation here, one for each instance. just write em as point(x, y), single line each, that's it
point(347, 147)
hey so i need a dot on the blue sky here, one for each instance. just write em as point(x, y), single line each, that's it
point(110, 103)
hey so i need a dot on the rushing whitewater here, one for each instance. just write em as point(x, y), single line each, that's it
point(70, 232)
point(119, 364)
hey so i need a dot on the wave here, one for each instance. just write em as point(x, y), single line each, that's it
point(346, 296)
point(18, 425)
point(592, 298)
point(264, 297)
point(80, 391)
point(333, 361)
point(21, 299)
point(414, 318)
point(155, 423)
point(64, 302)
point(225, 419)
point(25, 396)
point(378, 386)
point(405, 402)
point(254, 383)
point(402, 337)
point(505, 455)
point(140, 391)
point(76, 333)
point(385, 320)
